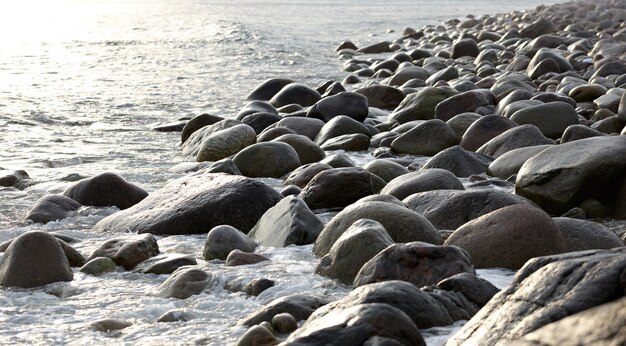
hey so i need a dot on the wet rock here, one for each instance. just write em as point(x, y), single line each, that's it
point(223, 239)
point(485, 129)
point(408, 73)
point(353, 142)
point(379, 47)
point(224, 166)
point(260, 121)
point(338, 160)
point(290, 190)
point(459, 162)
point(227, 142)
point(284, 323)
point(196, 123)
point(295, 93)
point(562, 177)
point(510, 163)
point(257, 336)
point(193, 144)
point(419, 263)
point(517, 137)
point(240, 258)
point(106, 189)
point(178, 315)
point(478, 291)
point(257, 286)
point(184, 283)
point(165, 264)
point(307, 150)
point(337, 187)
point(446, 74)
point(309, 127)
point(465, 47)
point(357, 245)
point(402, 224)
point(266, 90)
point(128, 251)
point(461, 122)
point(467, 101)
point(98, 266)
point(545, 290)
point(420, 105)
point(350, 104)
point(17, 179)
point(34, 259)
point(52, 208)
point(551, 118)
point(508, 237)
point(300, 306)
point(302, 175)
point(340, 125)
point(109, 325)
point(290, 221)
point(449, 209)
point(357, 324)
point(382, 96)
point(273, 133)
point(385, 169)
point(255, 107)
point(587, 92)
point(427, 138)
point(267, 159)
point(583, 235)
point(578, 131)
point(609, 125)
point(420, 181)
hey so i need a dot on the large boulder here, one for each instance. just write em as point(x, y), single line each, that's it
point(128, 251)
point(421, 181)
point(546, 290)
point(350, 104)
point(289, 222)
point(267, 159)
point(564, 176)
point(34, 259)
point(583, 235)
point(427, 138)
point(508, 237)
point(184, 283)
point(223, 239)
point(551, 118)
point(419, 263)
point(510, 163)
point(357, 245)
point(194, 204)
point(420, 105)
point(337, 187)
point(104, 190)
point(300, 306)
point(517, 137)
point(460, 162)
point(193, 144)
point(52, 208)
point(224, 143)
point(402, 224)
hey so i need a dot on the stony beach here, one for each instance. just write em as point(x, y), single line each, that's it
point(483, 142)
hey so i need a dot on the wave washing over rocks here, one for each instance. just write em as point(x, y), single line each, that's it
point(491, 142)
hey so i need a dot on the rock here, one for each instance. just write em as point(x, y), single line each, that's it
point(273, 133)
point(539, 27)
point(350, 104)
point(386, 169)
point(295, 93)
point(178, 315)
point(337, 188)
point(402, 224)
point(476, 290)
point(420, 181)
point(459, 162)
point(302, 175)
point(290, 221)
point(106, 189)
point(546, 290)
point(74, 258)
point(196, 123)
point(467, 101)
point(257, 286)
point(553, 54)
point(18, 179)
point(193, 144)
point(34, 259)
point(427, 138)
point(109, 325)
point(338, 160)
point(419, 263)
point(464, 47)
point(261, 120)
point(461, 122)
point(299, 306)
point(551, 118)
point(508, 237)
point(176, 126)
point(224, 143)
point(621, 112)
point(587, 92)
point(98, 266)
point(408, 73)
point(562, 177)
point(420, 105)
point(240, 258)
point(583, 235)
point(284, 323)
point(340, 125)
point(52, 208)
point(608, 125)
point(257, 336)
point(485, 129)
point(357, 245)
point(224, 166)
point(165, 264)
point(517, 137)
point(447, 74)
point(222, 239)
point(510, 163)
point(309, 127)
point(267, 159)
point(382, 96)
point(128, 251)
point(449, 209)
point(184, 283)
point(357, 324)
point(380, 47)
point(354, 142)
point(307, 150)
point(266, 90)
point(578, 131)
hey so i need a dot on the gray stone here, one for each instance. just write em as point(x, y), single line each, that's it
point(240, 258)
point(224, 166)
point(338, 160)
point(196, 123)
point(300, 306)
point(510, 163)
point(128, 251)
point(309, 127)
point(109, 325)
point(184, 283)
point(485, 129)
point(255, 106)
point(295, 93)
point(583, 235)
point(350, 104)
point(467, 101)
point(257, 336)
point(551, 118)
point(340, 125)
point(382, 96)
point(223, 239)
point(385, 169)
point(353, 142)
point(267, 159)
point(178, 315)
point(461, 122)
point(227, 142)
point(459, 162)
point(268, 89)
point(302, 175)
point(517, 137)
point(165, 264)
point(464, 47)
point(261, 120)
point(193, 144)
point(307, 150)
point(52, 208)
point(427, 138)
point(420, 105)
point(106, 189)
point(421, 181)
point(98, 266)
point(284, 323)
point(337, 188)
point(579, 131)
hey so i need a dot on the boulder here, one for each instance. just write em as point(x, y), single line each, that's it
point(350, 104)
point(52, 208)
point(382, 96)
point(562, 177)
point(18, 179)
point(266, 90)
point(223, 239)
point(421, 181)
point(508, 237)
point(300, 306)
point(261, 120)
point(464, 47)
point(267, 159)
point(419, 263)
point(98, 266)
point(34, 259)
point(224, 143)
point(458, 161)
point(295, 93)
point(340, 125)
point(195, 204)
point(551, 118)
point(240, 258)
point(196, 123)
point(224, 166)
point(517, 137)
point(537, 28)
point(337, 187)
point(302, 175)
point(309, 127)
point(420, 105)
point(255, 106)
point(427, 138)
point(184, 283)
point(257, 336)
point(128, 251)
point(385, 169)
point(106, 189)
point(583, 235)
point(307, 150)
point(461, 122)
point(449, 209)
point(510, 163)
point(357, 245)
point(402, 224)
point(192, 146)
point(485, 129)
point(467, 101)
point(353, 142)
point(165, 264)
point(289, 222)
point(408, 73)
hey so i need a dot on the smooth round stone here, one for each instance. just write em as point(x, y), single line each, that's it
point(382, 96)
point(465, 47)
point(337, 188)
point(309, 127)
point(267, 159)
point(340, 125)
point(576, 132)
point(284, 323)
point(52, 208)
point(266, 90)
point(273, 133)
point(587, 92)
point(421, 181)
point(350, 104)
point(184, 283)
point(260, 121)
point(196, 123)
point(109, 325)
point(427, 138)
point(106, 189)
point(581, 235)
point(447, 74)
point(467, 101)
point(485, 129)
point(609, 125)
point(257, 336)
point(385, 169)
point(407, 73)
point(239, 258)
point(255, 107)
point(295, 93)
point(225, 143)
point(460, 162)
point(420, 105)
point(221, 240)
point(128, 251)
point(517, 137)
point(510, 163)
point(461, 122)
point(351, 142)
point(308, 151)
point(98, 266)
point(303, 174)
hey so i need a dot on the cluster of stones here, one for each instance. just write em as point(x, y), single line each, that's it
point(457, 115)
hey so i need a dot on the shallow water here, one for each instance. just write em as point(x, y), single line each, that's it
point(83, 83)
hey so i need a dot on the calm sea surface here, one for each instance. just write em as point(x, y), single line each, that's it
point(83, 82)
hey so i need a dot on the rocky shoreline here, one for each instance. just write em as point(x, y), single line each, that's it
point(455, 117)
